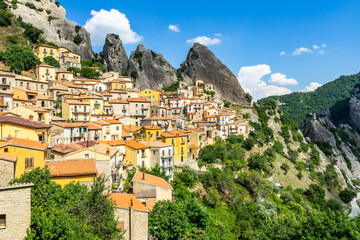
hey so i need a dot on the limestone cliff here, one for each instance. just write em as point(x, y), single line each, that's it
point(202, 64)
point(115, 55)
point(51, 18)
point(354, 106)
point(150, 70)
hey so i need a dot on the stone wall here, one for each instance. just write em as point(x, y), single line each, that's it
point(15, 202)
point(7, 172)
point(139, 223)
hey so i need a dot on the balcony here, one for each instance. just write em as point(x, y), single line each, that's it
point(182, 142)
point(97, 104)
point(143, 156)
point(4, 104)
point(47, 73)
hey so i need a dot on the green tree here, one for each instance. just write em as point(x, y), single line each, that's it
point(89, 73)
point(167, 220)
point(347, 195)
point(19, 57)
point(50, 60)
point(77, 39)
point(72, 212)
point(33, 34)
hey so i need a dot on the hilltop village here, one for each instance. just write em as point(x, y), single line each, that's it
point(81, 128)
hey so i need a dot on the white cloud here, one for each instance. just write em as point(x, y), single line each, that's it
point(315, 47)
point(282, 53)
point(218, 34)
point(282, 80)
point(250, 79)
point(204, 40)
point(301, 50)
point(113, 21)
point(322, 52)
point(174, 28)
point(323, 45)
point(311, 87)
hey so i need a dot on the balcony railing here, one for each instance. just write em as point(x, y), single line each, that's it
point(143, 156)
point(97, 104)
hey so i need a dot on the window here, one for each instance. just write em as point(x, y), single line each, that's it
point(6, 149)
point(157, 133)
point(4, 81)
point(172, 141)
point(2, 220)
point(21, 84)
point(135, 105)
point(85, 116)
point(121, 226)
point(86, 156)
point(42, 86)
point(182, 150)
point(29, 163)
point(76, 117)
point(117, 128)
point(182, 158)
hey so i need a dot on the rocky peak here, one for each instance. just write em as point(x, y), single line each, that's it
point(115, 55)
point(354, 106)
point(150, 70)
point(202, 64)
point(57, 29)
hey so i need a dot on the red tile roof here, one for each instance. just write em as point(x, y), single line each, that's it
point(72, 167)
point(151, 179)
point(23, 122)
point(25, 142)
point(127, 201)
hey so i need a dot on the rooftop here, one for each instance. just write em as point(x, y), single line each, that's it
point(24, 142)
point(72, 167)
point(126, 200)
point(22, 121)
point(155, 144)
point(151, 179)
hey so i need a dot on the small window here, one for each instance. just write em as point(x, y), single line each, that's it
point(86, 156)
point(6, 149)
point(2, 220)
point(121, 226)
point(29, 163)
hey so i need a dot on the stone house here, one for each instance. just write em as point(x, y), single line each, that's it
point(15, 211)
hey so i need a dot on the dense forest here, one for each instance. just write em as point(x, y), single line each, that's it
point(333, 95)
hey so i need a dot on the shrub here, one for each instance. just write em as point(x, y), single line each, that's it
point(257, 162)
point(32, 33)
point(48, 11)
point(300, 175)
point(5, 18)
point(50, 60)
point(3, 5)
point(77, 39)
point(89, 73)
point(278, 147)
point(285, 167)
point(12, 39)
point(347, 195)
point(77, 28)
point(57, 3)
point(334, 205)
point(293, 155)
point(133, 74)
point(30, 5)
point(325, 147)
point(19, 57)
point(247, 115)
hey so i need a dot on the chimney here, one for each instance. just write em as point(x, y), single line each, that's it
point(31, 117)
point(143, 178)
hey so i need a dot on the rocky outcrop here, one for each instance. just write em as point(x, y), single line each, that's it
point(51, 19)
point(354, 105)
point(344, 141)
point(150, 70)
point(202, 64)
point(115, 56)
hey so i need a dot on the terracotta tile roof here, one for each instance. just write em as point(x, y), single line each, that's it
point(72, 147)
point(125, 134)
point(93, 126)
point(25, 142)
point(129, 143)
point(131, 128)
point(98, 148)
point(151, 179)
point(112, 121)
point(72, 124)
point(195, 129)
point(56, 118)
point(193, 146)
point(157, 118)
point(152, 127)
point(9, 74)
point(22, 122)
point(7, 156)
point(124, 200)
point(101, 122)
point(174, 133)
point(155, 144)
point(72, 167)
point(138, 100)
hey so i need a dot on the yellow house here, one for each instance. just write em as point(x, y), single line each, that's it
point(67, 53)
point(136, 154)
point(64, 75)
point(36, 113)
point(42, 51)
point(67, 171)
point(153, 95)
point(29, 154)
point(75, 110)
point(150, 133)
point(45, 72)
point(180, 142)
point(115, 85)
point(15, 126)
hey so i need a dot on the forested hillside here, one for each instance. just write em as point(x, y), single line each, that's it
point(333, 95)
point(273, 185)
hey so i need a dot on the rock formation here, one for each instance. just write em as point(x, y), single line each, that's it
point(354, 105)
point(344, 140)
point(202, 64)
point(150, 70)
point(115, 55)
point(57, 29)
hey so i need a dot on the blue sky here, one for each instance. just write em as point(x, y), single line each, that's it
point(253, 34)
